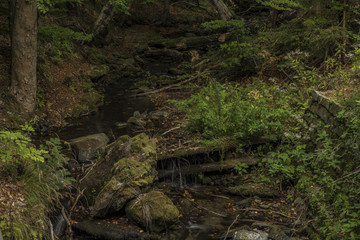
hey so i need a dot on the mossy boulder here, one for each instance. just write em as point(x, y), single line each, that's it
point(153, 211)
point(127, 166)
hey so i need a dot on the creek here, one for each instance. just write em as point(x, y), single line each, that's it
point(199, 188)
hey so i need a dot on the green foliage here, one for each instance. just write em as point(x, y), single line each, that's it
point(241, 168)
point(45, 6)
point(328, 176)
point(40, 174)
point(121, 5)
point(284, 5)
point(16, 149)
point(233, 112)
point(58, 41)
point(243, 54)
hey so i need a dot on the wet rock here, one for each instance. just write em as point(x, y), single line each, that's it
point(136, 121)
point(121, 125)
point(97, 71)
point(254, 189)
point(153, 211)
point(59, 225)
point(129, 175)
point(250, 235)
point(127, 166)
point(157, 114)
point(105, 230)
point(86, 148)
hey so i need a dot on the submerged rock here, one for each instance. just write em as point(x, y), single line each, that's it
point(106, 230)
point(153, 211)
point(86, 148)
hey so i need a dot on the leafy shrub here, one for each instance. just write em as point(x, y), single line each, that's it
point(233, 112)
point(16, 149)
point(58, 40)
point(41, 176)
point(242, 54)
point(327, 176)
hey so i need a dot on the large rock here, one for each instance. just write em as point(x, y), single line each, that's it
point(86, 148)
point(127, 166)
point(153, 211)
point(249, 235)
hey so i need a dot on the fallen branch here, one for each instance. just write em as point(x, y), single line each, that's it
point(76, 201)
point(165, 88)
point(51, 231)
point(67, 220)
point(228, 230)
point(170, 130)
point(265, 210)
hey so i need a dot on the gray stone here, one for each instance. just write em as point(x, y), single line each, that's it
point(86, 148)
point(153, 211)
point(136, 121)
point(121, 124)
point(324, 114)
point(325, 102)
point(314, 107)
point(159, 113)
point(132, 172)
point(335, 108)
point(97, 71)
point(250, 235)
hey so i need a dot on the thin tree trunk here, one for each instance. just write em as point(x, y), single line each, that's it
point(166, 13)
point(24, 54)
point(344, 32)
point(1, 237)
point(223, 10)
point(102, 23)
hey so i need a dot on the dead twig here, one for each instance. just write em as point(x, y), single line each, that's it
point(67, 221)
point(170, 130)
point(266, 210)
point(231, 226)
point(165, 88)
point(76, 201)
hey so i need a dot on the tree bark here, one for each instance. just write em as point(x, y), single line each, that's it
point(102, 23)
point(166, 13)
point(223, 10)
point(24, 54)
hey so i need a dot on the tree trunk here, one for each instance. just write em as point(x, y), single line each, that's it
point(24, 54)
point(166, 13)
point(223, 10)
point(102, 23)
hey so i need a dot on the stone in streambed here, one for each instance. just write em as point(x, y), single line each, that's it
point(125, 169)
point(107, 230)
point(86, 148)
point(153, 211)
point(249, 235)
